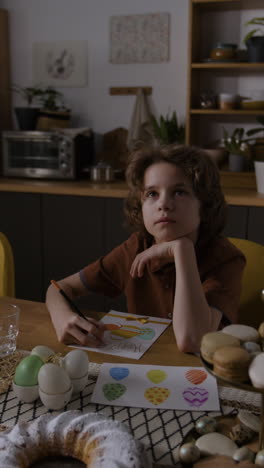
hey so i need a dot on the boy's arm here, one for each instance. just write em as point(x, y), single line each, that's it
point(70, 327)
point(192, 316)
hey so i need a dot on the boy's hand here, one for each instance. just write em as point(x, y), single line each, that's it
point(73, 329)
point(158, 255)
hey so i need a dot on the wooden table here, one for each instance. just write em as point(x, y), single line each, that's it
point(161, 432)
point(35, 328)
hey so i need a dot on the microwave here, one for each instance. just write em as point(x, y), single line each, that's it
point(49, 155)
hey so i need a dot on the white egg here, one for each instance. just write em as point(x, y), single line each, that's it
point(53, 379)
point(44, 352)
point(76, 363)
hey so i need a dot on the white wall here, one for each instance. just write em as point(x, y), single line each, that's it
point(49, 20)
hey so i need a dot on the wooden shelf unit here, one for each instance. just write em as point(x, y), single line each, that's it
point(213, 21)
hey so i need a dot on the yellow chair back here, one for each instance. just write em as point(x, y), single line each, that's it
point(7, 270)
point(251, 309)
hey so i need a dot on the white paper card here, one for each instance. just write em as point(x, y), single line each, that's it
point(129, 335)
point(166, 387)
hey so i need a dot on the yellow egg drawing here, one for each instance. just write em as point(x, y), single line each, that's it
point(156, 375)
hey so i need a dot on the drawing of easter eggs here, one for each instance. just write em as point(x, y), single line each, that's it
point(146, 334)
point(195, 396)
point(119, 373)
point(112, 391)
point(126, 331)
point(196, 376)
point(112, 326)
point(156, 375)
point(156, 395)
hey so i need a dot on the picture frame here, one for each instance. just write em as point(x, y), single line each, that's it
point(60, 63)
point(140, 38)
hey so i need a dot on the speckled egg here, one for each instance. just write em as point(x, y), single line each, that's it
point(76, 363)
point(259, 460)
point(244, 454)
point(189, 453)
point(206, 425)
point(251, 347)
point(53, 379)
point(44, 352)
point(26, 374)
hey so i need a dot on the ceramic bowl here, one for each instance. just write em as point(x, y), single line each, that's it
point(79, 384)
point(55, 402)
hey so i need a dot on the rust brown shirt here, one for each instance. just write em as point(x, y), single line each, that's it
point(220, 266)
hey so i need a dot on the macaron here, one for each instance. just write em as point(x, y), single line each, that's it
point(242, 332)
point(231, 363)
point(261, 330)
point(256, 371)
point(213, 340)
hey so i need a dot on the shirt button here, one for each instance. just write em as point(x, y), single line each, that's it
point(169, 315)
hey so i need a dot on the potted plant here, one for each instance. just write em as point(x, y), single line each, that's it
point(254, 40)
point(27, 115)
point(238, 145)
point(168, 130)
point(53, 113)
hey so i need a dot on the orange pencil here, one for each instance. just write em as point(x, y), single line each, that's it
point(70, 302)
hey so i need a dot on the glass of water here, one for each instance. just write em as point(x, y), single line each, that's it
point(9, 319)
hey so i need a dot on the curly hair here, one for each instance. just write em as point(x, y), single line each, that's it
point(197, 166)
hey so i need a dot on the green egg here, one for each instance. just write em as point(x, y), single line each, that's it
point(27, 371)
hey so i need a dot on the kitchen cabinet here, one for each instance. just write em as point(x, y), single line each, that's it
point(73, 237)
point(213, 21)
point(236, 225)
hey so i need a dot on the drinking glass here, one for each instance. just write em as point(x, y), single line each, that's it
point(9, 319)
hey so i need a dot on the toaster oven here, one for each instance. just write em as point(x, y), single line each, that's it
point(56, 154)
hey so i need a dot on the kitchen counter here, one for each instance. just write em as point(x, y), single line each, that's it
point(247, 196)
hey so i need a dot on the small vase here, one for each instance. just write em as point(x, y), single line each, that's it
point(236, 162)
point(259, 171)
point(27, 117)
point(255, 47)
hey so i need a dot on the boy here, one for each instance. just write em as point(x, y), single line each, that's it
point(176, 264)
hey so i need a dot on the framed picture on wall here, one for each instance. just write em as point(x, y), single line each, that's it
point(139, 38)
point(60, 63)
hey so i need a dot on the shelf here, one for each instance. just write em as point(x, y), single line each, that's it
point(227, 112)
point(211, 20)
point(228, 65)
point(215, 1)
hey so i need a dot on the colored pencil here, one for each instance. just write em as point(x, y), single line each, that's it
point(70, 302)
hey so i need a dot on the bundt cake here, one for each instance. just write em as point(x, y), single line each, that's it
point(89, 437)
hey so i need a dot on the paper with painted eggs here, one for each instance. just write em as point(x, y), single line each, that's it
point(129, 335)
point(148, 386)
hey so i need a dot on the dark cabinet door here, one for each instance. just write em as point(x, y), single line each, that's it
point(20, 220)
point(73, 237)
point(256, 224)
point(237, 222)
point(116, 232)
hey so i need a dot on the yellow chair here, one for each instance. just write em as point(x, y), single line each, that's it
point(251, 309)
point(7, 270)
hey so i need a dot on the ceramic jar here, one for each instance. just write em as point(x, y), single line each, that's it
point(223, 51)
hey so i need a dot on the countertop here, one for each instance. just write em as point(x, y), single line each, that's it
point(247, 196)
